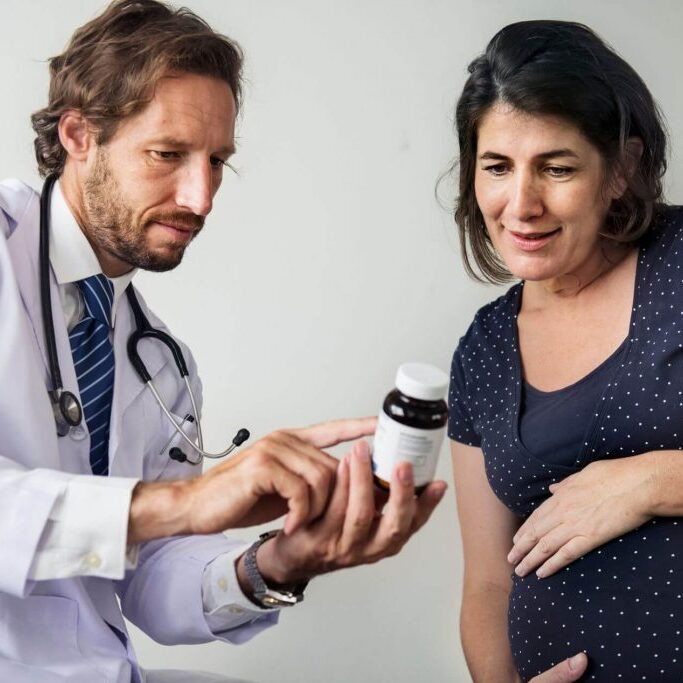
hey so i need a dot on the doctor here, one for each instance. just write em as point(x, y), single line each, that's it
point(138, 128)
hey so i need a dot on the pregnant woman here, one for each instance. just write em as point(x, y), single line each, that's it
point(566, 400)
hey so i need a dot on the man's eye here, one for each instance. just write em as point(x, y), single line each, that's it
point(217, 162)
point(165, 156)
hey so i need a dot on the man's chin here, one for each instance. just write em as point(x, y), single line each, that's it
point(161, 264)
point(157, 261)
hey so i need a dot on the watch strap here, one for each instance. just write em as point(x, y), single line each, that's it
point(266, 596)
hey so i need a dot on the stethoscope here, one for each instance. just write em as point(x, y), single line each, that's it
point(66, 407)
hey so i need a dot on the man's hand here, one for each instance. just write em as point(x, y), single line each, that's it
point(285, 472)
point(569, 670)
point(604, 500)
point(352, 531)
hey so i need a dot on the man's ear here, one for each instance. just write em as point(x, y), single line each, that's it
point(628, 167)
point(76, 135)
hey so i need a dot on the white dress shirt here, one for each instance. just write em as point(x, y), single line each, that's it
point(88, 527)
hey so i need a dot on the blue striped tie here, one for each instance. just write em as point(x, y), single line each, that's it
point(94, 363)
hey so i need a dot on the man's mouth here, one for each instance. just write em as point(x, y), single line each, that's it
point(181, 232)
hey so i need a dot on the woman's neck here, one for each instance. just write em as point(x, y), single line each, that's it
point(571, 286)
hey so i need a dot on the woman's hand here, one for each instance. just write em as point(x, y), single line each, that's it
point(604, 500)
point(569, 670)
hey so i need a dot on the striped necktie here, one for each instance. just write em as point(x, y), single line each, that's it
point(93, 357)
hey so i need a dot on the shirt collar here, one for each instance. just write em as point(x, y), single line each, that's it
point(71, 255)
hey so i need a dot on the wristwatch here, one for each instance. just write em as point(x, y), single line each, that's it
point(264, 595)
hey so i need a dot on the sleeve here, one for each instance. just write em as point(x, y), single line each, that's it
point(225, 606)
point(164, 595)
point(49, 526)
point(27, 498)
point(461, 426)
point(86, 531)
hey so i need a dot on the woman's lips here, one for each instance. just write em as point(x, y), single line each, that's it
point(533, 241)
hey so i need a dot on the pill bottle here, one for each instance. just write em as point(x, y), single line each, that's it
point(411, 424)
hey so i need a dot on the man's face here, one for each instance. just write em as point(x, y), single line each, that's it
point(150, 187)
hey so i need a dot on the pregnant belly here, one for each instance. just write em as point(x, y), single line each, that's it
point(622, 604)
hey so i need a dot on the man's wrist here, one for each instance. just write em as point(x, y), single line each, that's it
point(158, 510)
point(271, 568)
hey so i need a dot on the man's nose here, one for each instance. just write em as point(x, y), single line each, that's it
point(195, 190)
point(526, 200)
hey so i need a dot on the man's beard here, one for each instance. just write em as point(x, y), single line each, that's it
point(114, 227)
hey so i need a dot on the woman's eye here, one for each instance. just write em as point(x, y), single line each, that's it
point(496, 169)
point(559, 171)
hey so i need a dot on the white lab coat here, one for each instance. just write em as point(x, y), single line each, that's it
point(73, 629)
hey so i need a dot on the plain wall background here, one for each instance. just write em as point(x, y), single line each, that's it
point(328, 262)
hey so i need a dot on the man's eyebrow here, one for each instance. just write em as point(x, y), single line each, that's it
point(176, 143)
point(551, 154)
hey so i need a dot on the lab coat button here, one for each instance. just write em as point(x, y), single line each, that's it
point(223, 584)
point(93, 560)
point(234, 609)
point(78, 433)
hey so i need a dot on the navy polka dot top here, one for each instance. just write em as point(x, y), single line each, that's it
point(623, 602)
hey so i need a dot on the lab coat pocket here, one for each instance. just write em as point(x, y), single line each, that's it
point(170, 467)
point(39, 630)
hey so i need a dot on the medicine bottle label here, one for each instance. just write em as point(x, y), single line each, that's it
point(395, 442)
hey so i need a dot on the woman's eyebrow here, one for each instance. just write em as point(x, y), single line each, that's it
point(551, 154)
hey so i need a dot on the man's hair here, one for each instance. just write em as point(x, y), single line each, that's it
point(112, 64)
point(562, 69)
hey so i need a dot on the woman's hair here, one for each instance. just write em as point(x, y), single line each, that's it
point(561, 69)
point(112, 65)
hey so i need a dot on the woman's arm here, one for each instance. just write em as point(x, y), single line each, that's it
point(487, 528)
point(603, 501)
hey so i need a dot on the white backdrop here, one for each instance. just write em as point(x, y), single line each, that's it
point(328, 262)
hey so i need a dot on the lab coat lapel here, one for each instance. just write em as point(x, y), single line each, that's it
point(127, 428)
point(23, 245)
point(23, 248)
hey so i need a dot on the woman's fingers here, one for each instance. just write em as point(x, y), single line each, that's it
point(572, 550)
point(544, 547)
point(541, 522)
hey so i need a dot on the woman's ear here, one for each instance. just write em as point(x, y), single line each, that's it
point(75, 134)
point(627, 168)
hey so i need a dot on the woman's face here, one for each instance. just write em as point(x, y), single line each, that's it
point(539, 186)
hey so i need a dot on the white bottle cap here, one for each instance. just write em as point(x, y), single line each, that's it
point(421, 381)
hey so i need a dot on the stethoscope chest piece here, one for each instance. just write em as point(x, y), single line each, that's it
point(67, 410)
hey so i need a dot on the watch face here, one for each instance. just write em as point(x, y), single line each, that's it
point(279, 598)
point(269, 601)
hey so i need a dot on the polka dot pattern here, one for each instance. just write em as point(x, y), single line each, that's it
point(622, 603)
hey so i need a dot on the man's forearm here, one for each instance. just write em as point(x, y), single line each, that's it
point(483, 630)
point(158, 510)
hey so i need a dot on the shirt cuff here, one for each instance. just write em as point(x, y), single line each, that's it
point(225, 605)
point(87, 530)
